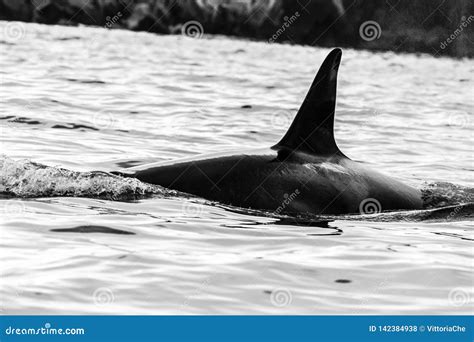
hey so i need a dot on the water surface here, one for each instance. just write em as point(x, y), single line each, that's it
point(76, 100)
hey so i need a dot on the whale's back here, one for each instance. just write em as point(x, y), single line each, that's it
point(304, 172)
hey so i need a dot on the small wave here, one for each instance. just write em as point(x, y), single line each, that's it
point(442, 201)
point(85, 81)
point(444, 194)
point(93, 229)
point(28, 179)
point(30, 121)
point(460, 212)
point(20, 119)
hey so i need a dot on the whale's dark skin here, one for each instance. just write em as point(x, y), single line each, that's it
point(304, 173)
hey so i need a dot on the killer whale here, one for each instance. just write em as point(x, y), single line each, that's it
point(303, 173)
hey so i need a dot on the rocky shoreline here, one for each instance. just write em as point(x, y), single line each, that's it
point(437, 27)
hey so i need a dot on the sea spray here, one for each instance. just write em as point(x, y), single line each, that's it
point(23, 178)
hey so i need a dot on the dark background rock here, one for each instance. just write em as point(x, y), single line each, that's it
point(21, 10)
point(406, 26)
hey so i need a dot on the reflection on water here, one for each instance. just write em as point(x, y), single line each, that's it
point(77, 241)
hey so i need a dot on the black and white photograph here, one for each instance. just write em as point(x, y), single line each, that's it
point(242, 158)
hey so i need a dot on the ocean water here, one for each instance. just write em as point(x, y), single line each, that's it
point(78, 102)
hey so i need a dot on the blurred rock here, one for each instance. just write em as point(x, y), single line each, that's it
point(319, 22)
point(16, 10)
point(146, 18)
point(402, 25)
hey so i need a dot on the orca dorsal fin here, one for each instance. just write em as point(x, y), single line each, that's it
point(312, 130)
